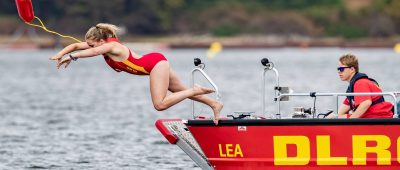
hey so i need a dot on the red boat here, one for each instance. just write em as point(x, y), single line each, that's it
point(306, 141)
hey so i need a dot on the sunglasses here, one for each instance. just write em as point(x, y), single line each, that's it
point(341, 69)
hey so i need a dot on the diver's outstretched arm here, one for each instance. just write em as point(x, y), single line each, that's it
point(70, 48)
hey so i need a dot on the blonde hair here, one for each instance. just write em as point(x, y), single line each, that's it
point(349, 60)
point(102, 31)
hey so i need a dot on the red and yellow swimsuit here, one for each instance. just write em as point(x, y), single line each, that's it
point(141, 66)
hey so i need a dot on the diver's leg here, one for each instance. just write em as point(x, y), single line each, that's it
point(175, 85)
point(159, 83)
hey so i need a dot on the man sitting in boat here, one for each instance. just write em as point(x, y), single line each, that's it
point(361, 106)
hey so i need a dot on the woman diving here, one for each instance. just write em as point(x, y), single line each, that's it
point(102, 39)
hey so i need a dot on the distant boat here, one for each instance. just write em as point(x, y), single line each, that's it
point(397, 48)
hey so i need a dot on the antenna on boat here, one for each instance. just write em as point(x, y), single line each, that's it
point(200, 68)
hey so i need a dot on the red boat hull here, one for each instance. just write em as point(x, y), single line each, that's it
point(299, 144)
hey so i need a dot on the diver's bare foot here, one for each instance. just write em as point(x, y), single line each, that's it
point(198, 90)
point(217, 107)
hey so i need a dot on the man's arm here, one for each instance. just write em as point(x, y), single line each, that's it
point(343, 110)
point(361, 109)
point(362, 86)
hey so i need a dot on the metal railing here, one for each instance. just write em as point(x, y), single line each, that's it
point(278, 95)
point(336, 95)
point(269, 66)
point(200, 68)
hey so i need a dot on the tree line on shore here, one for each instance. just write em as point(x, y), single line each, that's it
point(311, 18)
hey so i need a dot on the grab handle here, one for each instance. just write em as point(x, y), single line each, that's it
point(200, 68)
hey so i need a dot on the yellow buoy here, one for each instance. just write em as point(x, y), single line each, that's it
point(214, 49)
point(397, 48)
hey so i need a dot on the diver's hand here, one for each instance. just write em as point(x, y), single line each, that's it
point(66, 61)
point(56, 57)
